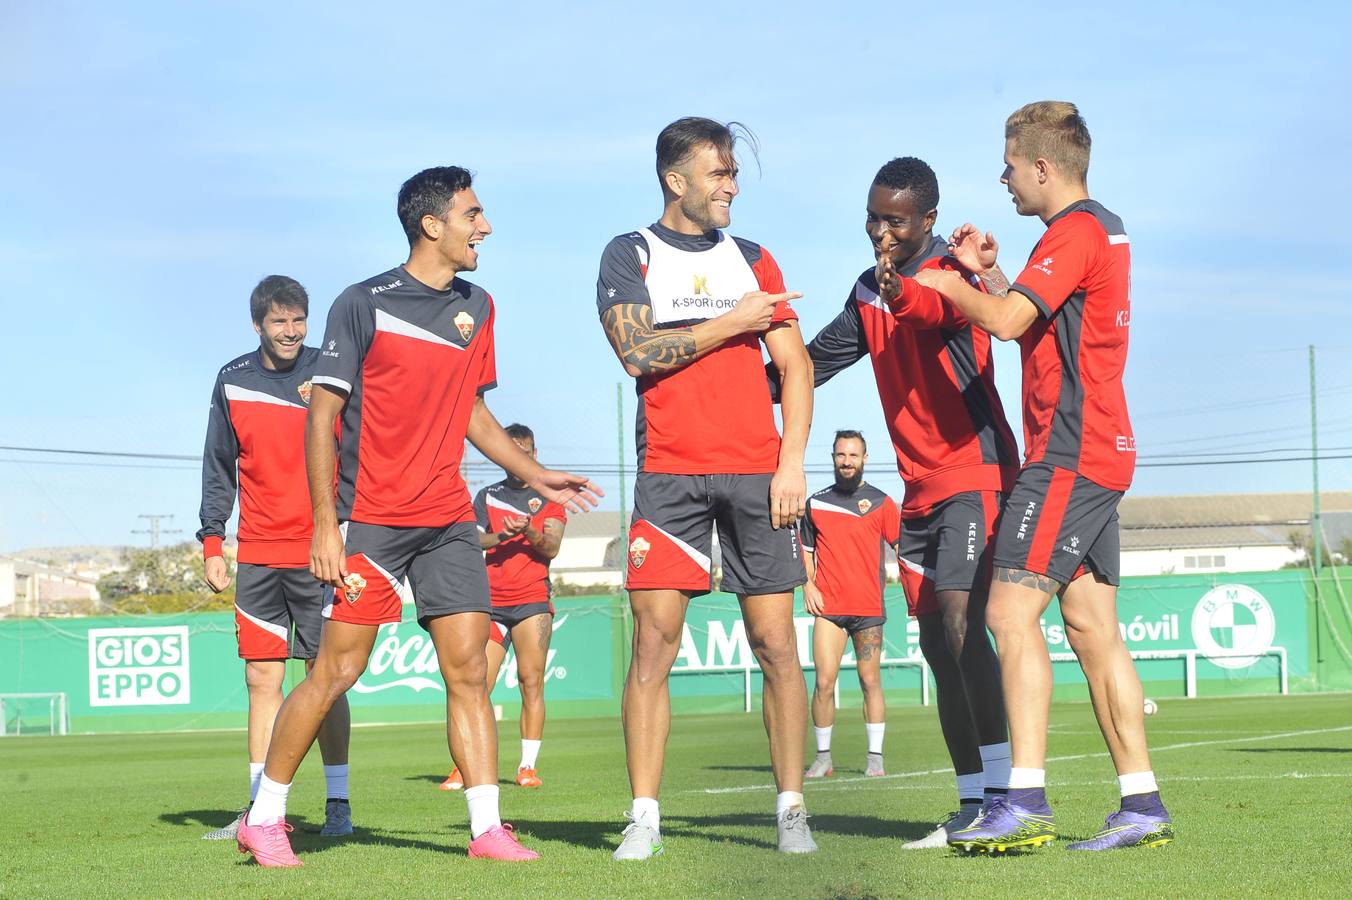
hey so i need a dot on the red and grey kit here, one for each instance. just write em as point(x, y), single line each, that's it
point(255, 447)
point(518, 576)
point(706, 435)
point(848, 534)
point(955, 450)
point(412, 361)
point(1061, 516)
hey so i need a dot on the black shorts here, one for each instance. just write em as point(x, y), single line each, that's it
point(278, 612)
point(505, 618)
point(1061, 525)
point(851, 625)
point(671, 537)
point(444, 567)
point(947, 549)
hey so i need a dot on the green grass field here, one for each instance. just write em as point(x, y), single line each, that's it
point(1258, 787)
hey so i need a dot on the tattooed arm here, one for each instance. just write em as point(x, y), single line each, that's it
point(646, 350)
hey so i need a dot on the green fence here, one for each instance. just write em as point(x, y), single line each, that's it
point(1211, 635)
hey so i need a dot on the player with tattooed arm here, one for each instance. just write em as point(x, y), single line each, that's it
point(687, 308)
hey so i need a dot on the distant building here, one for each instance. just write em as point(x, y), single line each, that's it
point(34, 589)
point(1224, 532)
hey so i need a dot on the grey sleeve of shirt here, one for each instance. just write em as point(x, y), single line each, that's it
point(621, 276)
point(220, 474)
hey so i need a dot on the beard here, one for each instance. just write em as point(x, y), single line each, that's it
point(851, 484)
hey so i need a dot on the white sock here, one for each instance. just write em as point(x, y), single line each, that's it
point(270, 803)
point(787, 800)
point(1137, 783)
point(995, 762)
point(335, 782)
point(483, 808)
point(823, 738)
point(875, 730)
point(530, 751)
point(255, 773)
point(1027, 778)
point(969, 787)
point(645, 810)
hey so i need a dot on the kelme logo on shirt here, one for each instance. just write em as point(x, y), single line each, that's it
point(865, 506)
point(702, 285)
point(465, 323)
point(638, 551)
point(535, 503)
point(304, 389)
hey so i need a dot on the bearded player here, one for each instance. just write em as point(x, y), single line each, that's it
point(406, 360)
point(687, 309)
point(1070, 310)
point(255, 448)
point(848, 529)
point(956, 453)
point(520, 532)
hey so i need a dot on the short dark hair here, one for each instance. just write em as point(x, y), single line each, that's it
point(681, 138)
point(279, 291)
point(846, 434)
point(906, 173)
point(429, 193)
point(518, 432)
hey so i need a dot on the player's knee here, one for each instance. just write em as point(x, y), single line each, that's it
point(532, 684)
point(774, 650)
point(870, 682)
point(826, 684)
point(336, 675)
point(1087, 638)
point(264, 680)
point(652, 640)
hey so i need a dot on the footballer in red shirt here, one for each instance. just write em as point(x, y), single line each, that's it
point(687, 309)
point(520, 532)
point(255, 448)
point(956, 453)
point(847, 533)
point(406, 359)
point(1070, 311)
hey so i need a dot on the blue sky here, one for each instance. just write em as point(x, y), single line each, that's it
point(158, 159)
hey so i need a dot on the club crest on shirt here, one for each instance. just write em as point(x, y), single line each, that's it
point(304, 389)
point(353, 585)
point(638, 551)
point(535, 503)
point(465, 323)
point(865, 506)
point(702, 285)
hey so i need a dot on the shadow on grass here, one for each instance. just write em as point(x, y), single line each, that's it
point(1291, 749)
point(764, 768)
point(725, 829)
point(306, 837)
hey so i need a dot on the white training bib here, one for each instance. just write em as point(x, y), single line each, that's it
point(686, 285)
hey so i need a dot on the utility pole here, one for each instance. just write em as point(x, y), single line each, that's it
point(1316, 527)
point(155, 530)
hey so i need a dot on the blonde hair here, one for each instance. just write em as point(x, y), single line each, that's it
point(1052, 130)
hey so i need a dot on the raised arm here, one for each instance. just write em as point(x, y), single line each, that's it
point(1005, 318)
point(486, 433)
point(644, 349)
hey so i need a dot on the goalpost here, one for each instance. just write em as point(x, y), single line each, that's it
point(39, 713)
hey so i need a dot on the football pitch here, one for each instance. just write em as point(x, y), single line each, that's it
point(1258, 788)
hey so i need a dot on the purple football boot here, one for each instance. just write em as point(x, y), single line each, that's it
point(1003, 826)
point(1126, 828)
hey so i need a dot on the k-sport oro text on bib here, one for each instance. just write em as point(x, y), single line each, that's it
point(685, 286)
